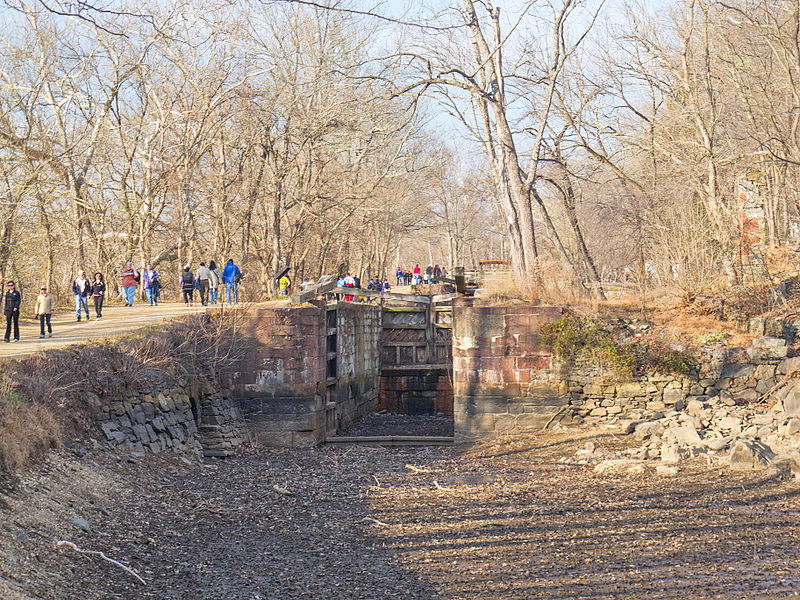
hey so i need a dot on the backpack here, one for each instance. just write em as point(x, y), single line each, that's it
point(137, 277)
point(187, 281)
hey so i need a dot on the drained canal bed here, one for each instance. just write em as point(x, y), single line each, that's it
point(498, 520)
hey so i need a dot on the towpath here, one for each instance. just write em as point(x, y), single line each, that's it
point(117, 320)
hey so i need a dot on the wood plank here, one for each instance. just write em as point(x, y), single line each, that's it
point(324, 284)
point(444, 298)
point(394, 440)
point(418, 367)
point(384, 295)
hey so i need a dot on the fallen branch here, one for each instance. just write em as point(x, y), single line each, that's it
point(378, 483)
point(61, 543)
point(553, 418)
point(786, 379)
point(439, 487)
point(417, 470)
point(371, 520)
point(282, 491)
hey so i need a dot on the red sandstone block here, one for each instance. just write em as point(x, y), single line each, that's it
point(529, 362)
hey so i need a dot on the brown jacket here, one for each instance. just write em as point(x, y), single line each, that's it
point(45, 304)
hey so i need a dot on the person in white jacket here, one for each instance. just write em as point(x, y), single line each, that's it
point(45, 305)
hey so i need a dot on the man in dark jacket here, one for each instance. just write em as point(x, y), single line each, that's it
point(82, 288)
point(13, 302)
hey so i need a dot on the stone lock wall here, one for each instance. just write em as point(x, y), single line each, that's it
point(502, 379)
point(306, 377)
point(177, 420)
point(732, 375)
point(280, 383)
point(506, 382)
point(358, 367)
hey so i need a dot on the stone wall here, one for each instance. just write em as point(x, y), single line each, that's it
point(358, 365)
point(506, 382)
point(280, 384)
point(311, 372)
point(734, 375)
point(502, 377)
point(177, 420)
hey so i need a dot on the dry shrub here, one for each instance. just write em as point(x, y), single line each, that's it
point(27, 431)
point(47, 396)
point(552, 284)
point(559, 285)
point(502, 287)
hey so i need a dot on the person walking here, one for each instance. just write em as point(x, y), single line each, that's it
point(81, 287)
point(231, 276)
point(151, 285)
point(204, 282)
point(44, 311)
point(187, 285)
point(399, 276)
point(11, 310)
point(216, 277)
point(98, 295)
point(130, 279)
point(416, 279)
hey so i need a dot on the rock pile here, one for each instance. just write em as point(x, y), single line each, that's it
point(743, 414)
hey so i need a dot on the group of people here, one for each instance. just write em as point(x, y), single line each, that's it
point(354, 281)
point(207, 280)
point(432, 274)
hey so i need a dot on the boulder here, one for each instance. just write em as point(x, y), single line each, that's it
point(791, 427)
point(671, 454)
point(763, 419)
point(718, 443)
point(628, 426)
point(695, 408)
point(666, 470)
point(615, 466)
point(81, 524)
point(684, 434)
point(673, 396)
point(730, 423)
point(748, 395)
point(789, 364)
point(747, 455)
point(791, 402)
point(646, 429)
point(767, 348)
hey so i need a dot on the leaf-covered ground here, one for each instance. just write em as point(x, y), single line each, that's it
point(498, 520)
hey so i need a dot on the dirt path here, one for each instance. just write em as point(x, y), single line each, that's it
point(498, 521)
point(117, 320)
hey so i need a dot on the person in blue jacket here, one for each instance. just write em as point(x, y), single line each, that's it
point(231, 276)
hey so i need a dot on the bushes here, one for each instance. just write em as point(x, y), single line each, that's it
point(46, 397)
point(575, 339)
